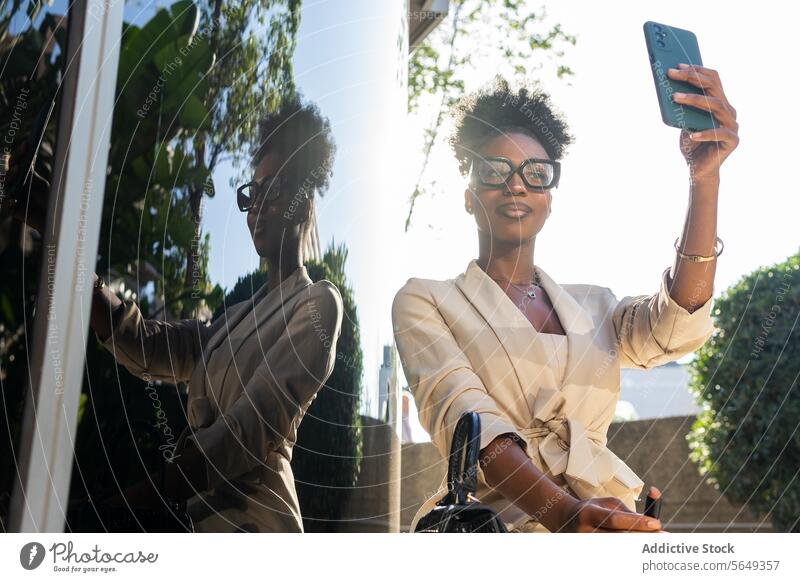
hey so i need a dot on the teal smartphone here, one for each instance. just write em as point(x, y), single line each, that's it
point(666, 47)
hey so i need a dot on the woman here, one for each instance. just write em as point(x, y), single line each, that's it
point(538, 360)
point(253, 373)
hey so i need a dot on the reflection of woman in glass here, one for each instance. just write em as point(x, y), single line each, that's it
point(253, 373)
point(538, 360)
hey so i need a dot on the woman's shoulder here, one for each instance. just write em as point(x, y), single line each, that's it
point(421, 298)
point(327, 292)
point(318, 305)
point(324, 297)
point(419, 285)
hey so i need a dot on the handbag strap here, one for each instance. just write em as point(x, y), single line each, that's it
point(462, 467)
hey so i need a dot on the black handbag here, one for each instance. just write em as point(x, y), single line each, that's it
point(88, 515)
point(459, 511)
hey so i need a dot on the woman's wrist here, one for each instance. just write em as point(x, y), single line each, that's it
point(553, 506)
point(563, 512)
point(509, 470)
point(704, 184)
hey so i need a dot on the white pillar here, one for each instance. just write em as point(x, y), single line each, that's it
point(57, 352)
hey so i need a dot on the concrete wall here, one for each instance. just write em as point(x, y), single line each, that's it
point(690, 504)
point(657, 450)
point(423, 470)
point(374, 504)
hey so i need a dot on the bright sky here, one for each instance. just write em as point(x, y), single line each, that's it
point(618, 235)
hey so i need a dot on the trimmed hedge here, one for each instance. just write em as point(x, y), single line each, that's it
point(747, 440)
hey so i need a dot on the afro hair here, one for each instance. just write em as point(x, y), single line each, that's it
point(496, 108)
point(298, 131)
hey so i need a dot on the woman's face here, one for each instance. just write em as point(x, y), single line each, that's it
point(273, 223)
point(511, 213)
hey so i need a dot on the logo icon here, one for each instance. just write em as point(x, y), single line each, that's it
point(31, 555)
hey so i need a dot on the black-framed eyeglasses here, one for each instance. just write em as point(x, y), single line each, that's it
point(247, 195)
point(536, 173)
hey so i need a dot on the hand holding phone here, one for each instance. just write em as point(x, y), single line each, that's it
point(666, 47)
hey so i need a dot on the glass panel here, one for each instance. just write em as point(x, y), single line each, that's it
point(201, 87)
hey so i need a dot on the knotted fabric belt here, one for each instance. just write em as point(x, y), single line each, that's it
point(568, 448)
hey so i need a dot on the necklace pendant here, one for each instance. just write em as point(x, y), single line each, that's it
point(532, 293)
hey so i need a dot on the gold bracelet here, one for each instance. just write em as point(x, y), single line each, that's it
point(699, 258)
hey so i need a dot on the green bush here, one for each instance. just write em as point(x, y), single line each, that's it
point(747, 440)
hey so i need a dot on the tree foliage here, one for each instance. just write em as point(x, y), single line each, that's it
point(197, 75)
point(747, 440)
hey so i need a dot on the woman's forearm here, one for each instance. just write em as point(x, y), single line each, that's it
point(509, 470)
point(104, 306)
point(692, 283)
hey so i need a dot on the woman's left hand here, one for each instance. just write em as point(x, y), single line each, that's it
point(705, 153)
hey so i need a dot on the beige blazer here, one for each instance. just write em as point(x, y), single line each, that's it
point(464, 345)
point(251, 375)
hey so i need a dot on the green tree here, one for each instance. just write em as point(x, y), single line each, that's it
point(197, 74)
point(473, 29)
point(147, 232)
point(747, 440)
point(253, 42)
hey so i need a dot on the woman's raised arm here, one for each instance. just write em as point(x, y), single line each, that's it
point(149, 348)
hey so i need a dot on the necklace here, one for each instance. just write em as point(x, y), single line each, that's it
point(529, 290)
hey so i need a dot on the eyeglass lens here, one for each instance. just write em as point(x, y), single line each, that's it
point(251, 193)
point(496, 172)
